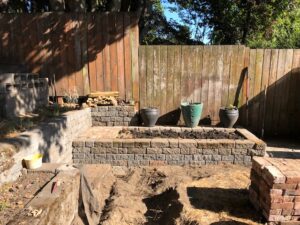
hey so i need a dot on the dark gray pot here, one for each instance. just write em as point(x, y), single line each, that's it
point(228, 117)
point(149, 116)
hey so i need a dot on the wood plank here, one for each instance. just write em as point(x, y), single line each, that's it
point(271, 92)
point(177, 76)
point(192, 71)
point(70, 43)
point(120, 55)
point(218, 83)
point(150, 79)
point(185, 77)
point(134, 38)
point(226, 74)
point(106, 53)
point(112, 34)
point(100, 45)
point(205, 80)
point(78, 89)
point(156, 77)
point(198, 73)
point(285, 85)
point(143, 76)
point(245, 91)
point(170, 78)
point(294, 93)
point(278, 90)
point(163, 72)
point(127, 58)
point(91, 38)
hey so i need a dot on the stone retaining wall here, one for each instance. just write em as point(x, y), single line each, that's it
point(159, 151)
point(275, 189)
point(52, 138)
point(114, 116)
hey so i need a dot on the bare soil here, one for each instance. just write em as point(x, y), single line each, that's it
point(172, 195)
point(212, 134)
point(14, 196)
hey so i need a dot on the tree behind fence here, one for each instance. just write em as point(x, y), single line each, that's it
point(223, 75)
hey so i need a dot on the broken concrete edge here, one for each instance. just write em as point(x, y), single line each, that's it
point(53, 139)
point(57, 205)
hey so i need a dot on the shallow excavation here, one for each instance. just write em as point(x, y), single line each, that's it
point(108, 195)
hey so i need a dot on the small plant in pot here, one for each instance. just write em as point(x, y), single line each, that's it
point(229, 115)
point(149, 116)
point(191, 113)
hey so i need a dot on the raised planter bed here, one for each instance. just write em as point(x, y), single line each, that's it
point(107, 145)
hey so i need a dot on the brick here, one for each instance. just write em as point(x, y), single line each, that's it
point(100, 156)
point(160, 157)
point(276, 192)
point(171, 150)
point(150, 156)
point(216, 158)
point(142, 143)
point(239, 151)
point(136, 150)
point(244, 144)
point(196, 151)
point(128, 143)
point(154, 151)
point(229, 158)
point(187, 143)
point(78, 143)
point(185, 151)
point(104, 143)
point(173, 143)
point(122, 150)
point(159, 143)
point(224, 143)
point(210, 151)
point(117, 143)
point(272, 175)
point(296, 212)
point(283, 205)
point(287, 212)
point(285, 186)
point(89, 144)
point(224, 151)
point(98, 150)
point(174, 157)
point(297, 205)
point(112, 150)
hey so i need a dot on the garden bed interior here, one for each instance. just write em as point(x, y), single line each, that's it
point(160, 145)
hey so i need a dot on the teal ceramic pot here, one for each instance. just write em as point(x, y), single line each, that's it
point(191, 113)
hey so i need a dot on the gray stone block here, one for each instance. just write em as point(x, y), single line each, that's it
point(104, 143)
point(160, 157)
point(136, 150)
point(172, 157)
point(171, 150)
point(224, 151)
point(149, 156)
point(210, 151)
point(159, 143)
point(239, 151)
point(112, 150)
point(122, 150)
point(154, 150)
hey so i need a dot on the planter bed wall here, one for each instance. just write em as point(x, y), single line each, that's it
point(114, 116)
point(165, 151)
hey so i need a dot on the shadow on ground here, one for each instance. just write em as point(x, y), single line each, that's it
point(235, 202)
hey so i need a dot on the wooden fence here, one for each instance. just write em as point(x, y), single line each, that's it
point(83, 52)
point(223, 75)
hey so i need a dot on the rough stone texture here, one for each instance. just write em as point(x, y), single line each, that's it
point(164, 151)
point(114, 116)
point(22, 93)
point(275, 189)
point(53, 139)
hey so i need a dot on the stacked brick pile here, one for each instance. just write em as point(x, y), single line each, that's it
point(114, 116)
point(275, 189)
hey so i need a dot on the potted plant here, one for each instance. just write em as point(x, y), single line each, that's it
point(191, 113)
point(149, 116)
point(229, 115)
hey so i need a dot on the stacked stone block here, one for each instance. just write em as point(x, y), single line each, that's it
point(160, 151)
point(114, 116)
point(275, 189)
point(22, 93)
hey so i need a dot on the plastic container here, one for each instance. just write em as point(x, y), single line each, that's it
point(191, 113)
point(33, 161)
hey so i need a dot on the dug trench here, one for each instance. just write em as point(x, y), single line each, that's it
point(167, 195)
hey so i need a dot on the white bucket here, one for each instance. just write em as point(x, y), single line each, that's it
point(33, 161)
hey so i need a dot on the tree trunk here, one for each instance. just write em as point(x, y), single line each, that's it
point(76, 5)
point(114, 5)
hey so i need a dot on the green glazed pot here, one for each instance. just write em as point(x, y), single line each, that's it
point(191, 113)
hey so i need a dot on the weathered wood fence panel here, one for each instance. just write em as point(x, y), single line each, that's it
point(83, 52)
point(263, 83)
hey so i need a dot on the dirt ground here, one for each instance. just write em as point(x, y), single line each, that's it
point(212, 134)
point(171, 195)
point(14, 196)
